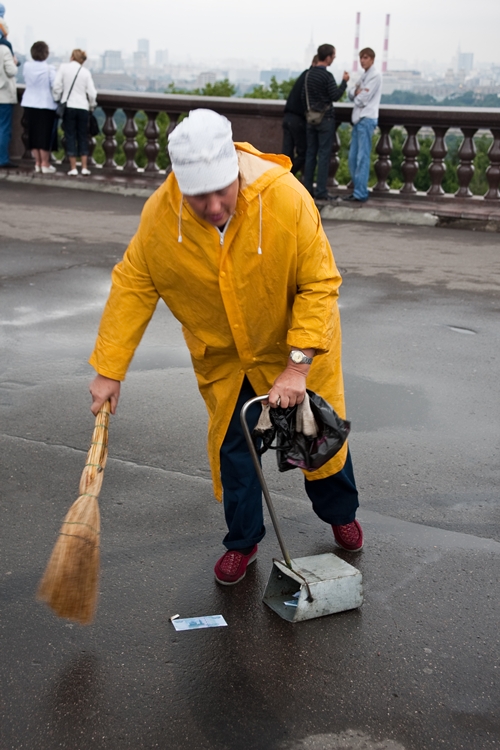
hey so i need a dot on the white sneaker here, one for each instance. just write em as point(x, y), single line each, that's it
point(38, 168)
point(48, 170)
point(86, 171)
point(73, 172)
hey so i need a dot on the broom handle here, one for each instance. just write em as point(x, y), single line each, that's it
point(98, 451)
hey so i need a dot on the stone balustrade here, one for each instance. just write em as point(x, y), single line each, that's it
point(258, 121)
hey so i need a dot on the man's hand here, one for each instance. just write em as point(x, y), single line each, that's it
point(346, 76)
point(289, 388)
point(102, 389)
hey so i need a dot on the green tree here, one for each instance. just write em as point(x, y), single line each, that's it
point(219, 88)
point(275, 90)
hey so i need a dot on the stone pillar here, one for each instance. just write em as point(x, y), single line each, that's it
point(493, 171)
point(383, 164)
point(409, 166)
point(437, 168)
point(465, 170)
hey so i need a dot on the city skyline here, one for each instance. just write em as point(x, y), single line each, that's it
point(277, 36)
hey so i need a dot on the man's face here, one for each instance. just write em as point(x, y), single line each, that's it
point(366, 61)
point(216, 207)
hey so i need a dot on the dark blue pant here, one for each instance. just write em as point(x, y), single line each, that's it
point(334, 499)
point(76, 130)
point(5, 131)
point(319, 148)
point(359, 156)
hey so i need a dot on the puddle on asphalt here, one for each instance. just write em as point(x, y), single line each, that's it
point(373, 406)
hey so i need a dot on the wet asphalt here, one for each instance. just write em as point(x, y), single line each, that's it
point(415, 668)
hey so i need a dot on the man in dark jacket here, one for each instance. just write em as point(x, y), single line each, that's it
point(294, 124)
point(321, 91)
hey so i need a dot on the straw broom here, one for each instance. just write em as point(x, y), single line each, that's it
point(69, 584)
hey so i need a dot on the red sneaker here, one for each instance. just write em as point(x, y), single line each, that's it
point(349, 536)
point(232, 566)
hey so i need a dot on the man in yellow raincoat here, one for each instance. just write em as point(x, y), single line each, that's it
point(233, 244)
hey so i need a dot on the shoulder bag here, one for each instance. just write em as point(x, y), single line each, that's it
point(61, 107)
point(313, 116)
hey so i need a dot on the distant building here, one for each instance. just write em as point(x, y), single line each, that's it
point(465, 62)
point(204, 78)
point(400, 80)
point(114, 81)
point(112, 61)
point(161, 58)
point(244, 75)
point(310, 51)
point(140, 60)
point(281, 74)
point(143, 46)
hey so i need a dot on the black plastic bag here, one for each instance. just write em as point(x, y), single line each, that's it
point(293, 448)
point(93, 125)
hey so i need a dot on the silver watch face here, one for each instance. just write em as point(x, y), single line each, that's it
point(297, 357)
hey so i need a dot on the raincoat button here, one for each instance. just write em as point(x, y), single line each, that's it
point(222, 273)
point(236, 325)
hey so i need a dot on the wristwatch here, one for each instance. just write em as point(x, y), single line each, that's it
point(299, 358)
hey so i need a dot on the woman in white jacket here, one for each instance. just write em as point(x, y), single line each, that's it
point(39, 106)
point(74, 85)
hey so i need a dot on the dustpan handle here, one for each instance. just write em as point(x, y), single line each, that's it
point(258, 469)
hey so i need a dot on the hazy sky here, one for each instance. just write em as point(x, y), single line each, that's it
point(272, 32)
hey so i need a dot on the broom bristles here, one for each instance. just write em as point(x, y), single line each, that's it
point(70, 582)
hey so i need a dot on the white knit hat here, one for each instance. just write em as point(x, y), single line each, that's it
point(202, 153)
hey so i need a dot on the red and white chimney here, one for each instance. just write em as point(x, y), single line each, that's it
point(355, 61)
point(386, 44)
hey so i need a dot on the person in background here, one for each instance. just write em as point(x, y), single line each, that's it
point(39, 106)
point(74, 85)
point(4, 31)
point(366, 97)
point(322, 90)
point(8, 97)
point(294, 124)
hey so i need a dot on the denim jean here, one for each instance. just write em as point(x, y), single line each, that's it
point(359, 155)
point(5, 131)
point(295, 140)
point(76, 130)
point(334, 499)
point(319, 148)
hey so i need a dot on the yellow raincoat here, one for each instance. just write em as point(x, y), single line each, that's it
point(244, 298)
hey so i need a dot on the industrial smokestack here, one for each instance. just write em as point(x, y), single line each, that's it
point(386, 44)
point(356, 44)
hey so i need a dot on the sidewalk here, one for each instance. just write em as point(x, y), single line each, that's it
point(388, 208)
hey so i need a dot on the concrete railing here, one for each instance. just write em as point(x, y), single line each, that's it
point(258, 121)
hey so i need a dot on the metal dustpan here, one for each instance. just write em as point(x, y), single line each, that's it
point(305, 587)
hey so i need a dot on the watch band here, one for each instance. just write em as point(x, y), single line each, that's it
point(299, 358)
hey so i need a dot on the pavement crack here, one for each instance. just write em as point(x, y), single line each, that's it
point(111, 459)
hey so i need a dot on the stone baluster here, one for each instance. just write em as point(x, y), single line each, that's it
point(109, 144)
point(174, 118)
point(130, 146)
point(383, 164)
point(334, 161)
point(152, 147)
point(437, 168)
point(493, 171)
point(409, 167)
point(465, 170)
